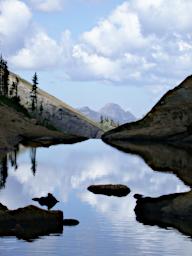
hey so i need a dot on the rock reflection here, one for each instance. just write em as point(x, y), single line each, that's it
point(30, 222)
point(167, 211)
point(162, 157)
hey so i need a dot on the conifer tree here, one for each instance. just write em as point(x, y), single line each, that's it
point(4, 77)
point(34, 92)
point(13, 92)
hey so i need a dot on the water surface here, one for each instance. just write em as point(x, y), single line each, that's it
point(108, 225)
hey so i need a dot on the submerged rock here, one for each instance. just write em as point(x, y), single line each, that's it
point(110, 190)
point(170, 119)
point(167, 211)
point(30, 222)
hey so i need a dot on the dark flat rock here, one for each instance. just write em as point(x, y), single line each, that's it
point(110, 190)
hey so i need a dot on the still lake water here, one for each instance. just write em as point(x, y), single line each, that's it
point(108, 225)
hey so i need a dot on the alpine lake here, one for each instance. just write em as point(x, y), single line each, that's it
point(108, 225)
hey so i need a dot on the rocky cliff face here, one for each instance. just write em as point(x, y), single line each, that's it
point(57, 113)
point(170, 118)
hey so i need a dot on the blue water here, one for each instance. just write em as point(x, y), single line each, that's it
point(107, 224)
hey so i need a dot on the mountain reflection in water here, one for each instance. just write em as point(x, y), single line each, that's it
point(107, 225)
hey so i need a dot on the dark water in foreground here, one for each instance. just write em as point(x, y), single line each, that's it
point(108, 225)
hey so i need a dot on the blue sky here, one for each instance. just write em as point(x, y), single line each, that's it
point(91, 52)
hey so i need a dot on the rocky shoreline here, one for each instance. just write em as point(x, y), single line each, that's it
point(17, 128)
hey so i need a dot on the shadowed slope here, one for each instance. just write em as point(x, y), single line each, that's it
point(169, 119)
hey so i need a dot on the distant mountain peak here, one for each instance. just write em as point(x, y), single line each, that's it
point(110, 110)
point(86, 108)
point(111, 106)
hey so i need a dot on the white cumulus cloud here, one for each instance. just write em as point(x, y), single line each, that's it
point(15, 17)
point(48, 5)
point(39, 52)
point(140, 42)
point(120, 32)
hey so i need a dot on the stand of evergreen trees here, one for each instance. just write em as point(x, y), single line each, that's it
point(11, 90)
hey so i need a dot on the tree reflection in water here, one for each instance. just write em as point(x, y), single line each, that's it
point(3, 171)
point(33, 153)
